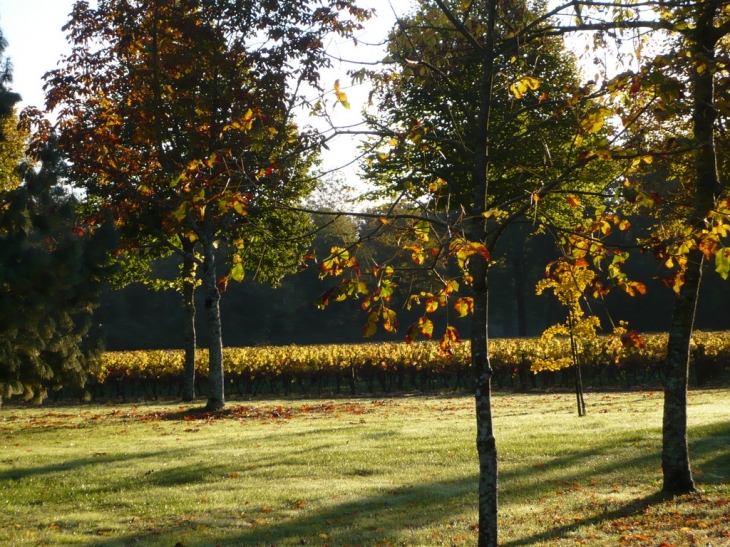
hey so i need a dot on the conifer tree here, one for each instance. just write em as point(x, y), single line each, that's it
point(51, 271)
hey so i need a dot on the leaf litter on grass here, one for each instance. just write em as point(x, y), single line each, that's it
point(298, 469)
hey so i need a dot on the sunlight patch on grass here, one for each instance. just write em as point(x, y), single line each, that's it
point(400, 471)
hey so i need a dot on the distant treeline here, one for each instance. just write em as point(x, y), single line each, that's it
point(256, 314)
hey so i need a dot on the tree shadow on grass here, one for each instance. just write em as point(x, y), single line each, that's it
point(397, 513)
point(376, 518)
point(390, 513)
point(99, 460)
point(634, 507)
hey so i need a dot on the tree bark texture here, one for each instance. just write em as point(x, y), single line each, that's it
point(188, 293)
point(486, 443)
point(216, 396)
point(675, 451)
point(481, 367)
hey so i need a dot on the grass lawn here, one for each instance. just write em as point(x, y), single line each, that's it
point(393, 472)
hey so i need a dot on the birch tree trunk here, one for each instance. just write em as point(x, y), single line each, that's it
point(481, 367)
point(486, 442)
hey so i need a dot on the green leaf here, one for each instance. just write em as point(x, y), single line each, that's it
point(722, 263)
point(237, 272)
point(425, 326)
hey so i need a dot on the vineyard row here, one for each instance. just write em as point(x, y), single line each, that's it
point(517, 363)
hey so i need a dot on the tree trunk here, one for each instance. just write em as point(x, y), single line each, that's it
point(481, 367)
point(216, 397)
point(486, 443)
point(188, 292)
point(675, 451)
point(580, 400)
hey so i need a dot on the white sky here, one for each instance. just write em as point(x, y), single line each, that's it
point(32, 29)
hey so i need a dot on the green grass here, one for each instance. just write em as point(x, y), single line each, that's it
point(394, 472)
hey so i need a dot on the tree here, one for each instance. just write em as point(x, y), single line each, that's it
point(177, 116)
point(12, 151)
point(51, 268)
point(675, 101)
point(482, 122)
point(51, 279)
point(700, 30)
point(12, 140)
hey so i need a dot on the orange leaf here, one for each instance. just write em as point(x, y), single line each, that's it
point(431, 305)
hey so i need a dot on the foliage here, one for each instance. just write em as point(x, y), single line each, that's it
point(12, 151)
point(622, 349)
point(429, 106)
point(12, 138)
point(177, 117)
point(51, 279)
point(51, 268)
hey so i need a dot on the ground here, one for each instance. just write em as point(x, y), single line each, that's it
point(358, 472)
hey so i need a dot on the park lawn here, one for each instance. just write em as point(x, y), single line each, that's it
point(389, 472)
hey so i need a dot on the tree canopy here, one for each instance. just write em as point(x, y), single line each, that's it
point(178, 118)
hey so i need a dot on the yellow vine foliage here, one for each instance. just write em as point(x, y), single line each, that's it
point(546, 353)
point(568, 283)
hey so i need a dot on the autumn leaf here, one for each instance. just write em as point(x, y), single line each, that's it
point(632, 340)
point(425, 326)
point(464, 306)
point(341, 96)
point(520, 87)
point(237, 272)
point(418, 255)
point(451, 286)
point(389, 320)
point(432, 305)
point(372, 325)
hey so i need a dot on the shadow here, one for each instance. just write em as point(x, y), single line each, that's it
point(635, 507)
point(374, 519)
point(709, 449)
point(99, 460)
point(389, 513)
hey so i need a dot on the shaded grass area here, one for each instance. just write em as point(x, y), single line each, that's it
point(357, 472)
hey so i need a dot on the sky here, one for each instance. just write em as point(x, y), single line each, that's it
point(36, 42)
point(32, 29)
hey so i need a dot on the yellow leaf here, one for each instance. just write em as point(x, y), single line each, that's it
point(517, 89)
